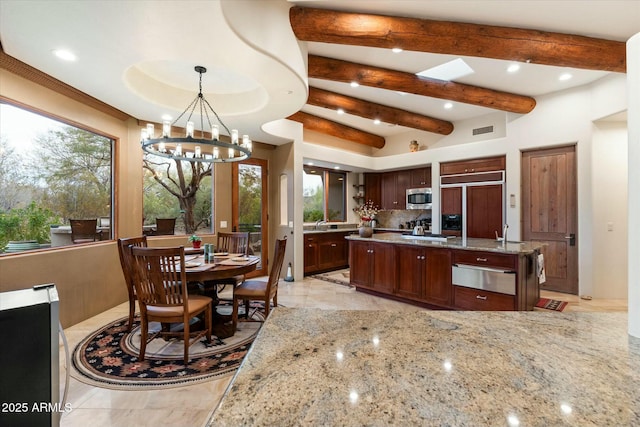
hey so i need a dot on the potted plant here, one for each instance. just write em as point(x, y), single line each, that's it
point(196, 241)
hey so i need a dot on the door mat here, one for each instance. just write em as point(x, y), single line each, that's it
point(339, 277)
point(551, 304)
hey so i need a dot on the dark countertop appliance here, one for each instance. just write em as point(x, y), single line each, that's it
point(452, 222)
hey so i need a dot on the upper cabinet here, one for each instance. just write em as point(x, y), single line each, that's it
point(488, 164)
point(389, 189)
point(421, 177)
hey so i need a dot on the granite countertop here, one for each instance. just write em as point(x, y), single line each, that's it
point(436, 368)
point(332, 230)
point(490, 245)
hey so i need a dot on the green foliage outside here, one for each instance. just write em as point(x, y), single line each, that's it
point(313, 207)
point(250, 198)
point(30, 223)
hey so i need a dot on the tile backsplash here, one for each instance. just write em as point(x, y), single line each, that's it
point(394, 218)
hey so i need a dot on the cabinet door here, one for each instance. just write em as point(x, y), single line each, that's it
point(383, 267)
point(332, 251)
point(484, 211)
point(360, 263)
point(472, 166)
point(438, 286)
point(388, 188)
point(310, 255)
point(403, 181)
point(451, 201)
point(421, 177)
point(411, 271)
point(372, 189)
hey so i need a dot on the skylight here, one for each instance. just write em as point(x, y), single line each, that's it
point(448, 71)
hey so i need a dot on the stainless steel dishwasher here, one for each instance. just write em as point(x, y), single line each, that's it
point(485, 278)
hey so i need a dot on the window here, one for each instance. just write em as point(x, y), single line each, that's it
point(51, 172)
point(324, 194)
point(180, 190)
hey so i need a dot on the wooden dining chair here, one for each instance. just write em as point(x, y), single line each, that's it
point(236, 242)
point(161, 288)
point(84, 230)
point(260, 290)
point(165, 226)
point(126, 262)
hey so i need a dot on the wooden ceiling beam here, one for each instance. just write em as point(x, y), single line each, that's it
point(456, 38)
point(334, 69)
point(329, 127)
point(370, 110)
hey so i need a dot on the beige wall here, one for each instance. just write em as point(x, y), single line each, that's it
point(88, 277)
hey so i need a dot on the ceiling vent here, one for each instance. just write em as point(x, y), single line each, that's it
point(480, 131)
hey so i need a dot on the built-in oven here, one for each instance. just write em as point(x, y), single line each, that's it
point(451, 222)
point(419, 198)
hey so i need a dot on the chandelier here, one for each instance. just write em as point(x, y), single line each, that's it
point(193, 149)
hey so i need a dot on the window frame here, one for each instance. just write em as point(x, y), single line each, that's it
point(325, 172)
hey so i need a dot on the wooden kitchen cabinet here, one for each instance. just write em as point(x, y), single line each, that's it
point(451, 201)
point(372, 188)
point(372, 266)
point(424, 274)
point(473, 166)
point(420, 177)
point(481, 300)
point(394, 189)
point(325, 252)
point(484, 211)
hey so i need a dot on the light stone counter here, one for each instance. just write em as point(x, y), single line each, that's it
point(456, 243)
point(437, 368)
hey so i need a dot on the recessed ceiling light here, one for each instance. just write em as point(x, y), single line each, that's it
point(565, 76)
point(340, 111)
point(336, 167)
point(448, 106)
point(310, 164)
point(376, 122)
point(448, 71)
point(513, 68)
point(64, 54)
point(355, 84)
point(396, 50)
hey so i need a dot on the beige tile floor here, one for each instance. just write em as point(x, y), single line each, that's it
point(192, 405)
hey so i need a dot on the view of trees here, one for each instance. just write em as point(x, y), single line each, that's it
point(65, 173)
point(250, 197)
point(178, 189)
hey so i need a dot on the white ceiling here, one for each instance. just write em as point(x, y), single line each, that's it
point(138, 56)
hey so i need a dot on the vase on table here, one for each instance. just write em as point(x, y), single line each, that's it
point(365, 229)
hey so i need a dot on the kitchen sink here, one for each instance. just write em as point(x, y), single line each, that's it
point(428, 237)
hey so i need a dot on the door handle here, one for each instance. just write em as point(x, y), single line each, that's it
point(572, 239)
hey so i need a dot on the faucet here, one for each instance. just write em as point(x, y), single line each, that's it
point(320, 222)
point(504, 234)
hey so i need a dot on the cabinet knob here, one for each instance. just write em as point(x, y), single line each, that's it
point(484, 298)
point(310, 246)
point(424, 257)
point(481, 259)
point(333, 245)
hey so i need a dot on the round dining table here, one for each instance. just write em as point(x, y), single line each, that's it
point(223, 267)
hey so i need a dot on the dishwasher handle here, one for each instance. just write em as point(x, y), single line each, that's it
point(493, 270)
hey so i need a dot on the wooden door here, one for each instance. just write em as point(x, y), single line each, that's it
point(549, 213)
point(484, 211)
point(360, 263)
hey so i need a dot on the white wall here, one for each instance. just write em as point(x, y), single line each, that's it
point(609, 195)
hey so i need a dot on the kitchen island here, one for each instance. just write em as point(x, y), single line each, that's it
point(465, 274)
point(313, 367)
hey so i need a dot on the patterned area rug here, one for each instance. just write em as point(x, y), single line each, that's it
point(551, 304)
point(108, 358)
point(340, 277)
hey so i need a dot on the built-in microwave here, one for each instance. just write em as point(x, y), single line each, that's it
point(419, 198)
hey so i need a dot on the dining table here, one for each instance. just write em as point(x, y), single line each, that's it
point(224, 265)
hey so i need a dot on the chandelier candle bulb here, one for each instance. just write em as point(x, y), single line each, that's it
point(190, 128)
point(234, 136)
point(198, 151)
point(245, 140)
point(151, 130)
point(161, 148)
point(166, 128)
point(215, 132)
point(232, 153)
point(216, 153)
point(178, 149)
